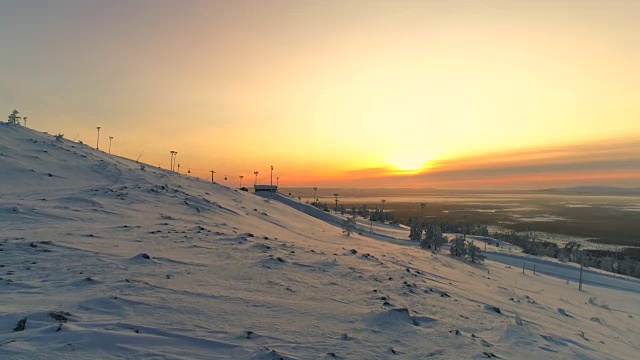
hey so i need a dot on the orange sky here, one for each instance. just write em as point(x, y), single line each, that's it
point(487, 94)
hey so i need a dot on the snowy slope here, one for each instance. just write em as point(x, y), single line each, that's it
point(108, 259)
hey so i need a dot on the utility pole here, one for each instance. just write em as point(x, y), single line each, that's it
point(256, 174)
point(98, 141)
point(173, 159)
point(25, 121)
point(336, 196)
point(178, 168)
point(383, 201)
point(271, 175)
point(464, 228)
point(580, 283)
point(422, 205)
point(110, 138)
point(315, 199)
point(277, 181)
point(241, 177)
point(213, 172)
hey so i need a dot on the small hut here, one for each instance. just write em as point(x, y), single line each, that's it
point(265, 188)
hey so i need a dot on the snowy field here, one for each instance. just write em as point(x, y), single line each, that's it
point(505, 253)
point(101, 257)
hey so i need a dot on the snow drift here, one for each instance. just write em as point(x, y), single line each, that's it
point(102, 257)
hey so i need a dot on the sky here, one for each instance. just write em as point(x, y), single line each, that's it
point(490, 94)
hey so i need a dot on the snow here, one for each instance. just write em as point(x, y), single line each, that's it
point(108, 258)
point(538, 218)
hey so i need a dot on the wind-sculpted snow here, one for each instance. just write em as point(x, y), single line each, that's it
point(111, 259)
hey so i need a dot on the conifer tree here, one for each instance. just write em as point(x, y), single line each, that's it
point(458, 247)
point(415, 230)
point(474, 253)
point(13, 118)
point(433, 237)
point(349, 225)
point(438, 239)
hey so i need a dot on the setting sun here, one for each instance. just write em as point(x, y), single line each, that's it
point(408, 161)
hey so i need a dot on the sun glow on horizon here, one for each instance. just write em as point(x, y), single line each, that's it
point(410, 161)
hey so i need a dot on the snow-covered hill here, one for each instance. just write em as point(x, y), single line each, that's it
point(108, 258)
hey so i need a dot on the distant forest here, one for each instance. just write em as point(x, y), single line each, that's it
point(624, 262)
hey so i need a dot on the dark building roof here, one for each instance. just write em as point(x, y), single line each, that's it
point(270, 188)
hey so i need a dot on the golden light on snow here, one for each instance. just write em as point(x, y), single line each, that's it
point(99, 254)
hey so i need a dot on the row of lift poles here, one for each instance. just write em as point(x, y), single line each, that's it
point(173, 162)
point(212, 171)
point(315, 199)
point(98, 140)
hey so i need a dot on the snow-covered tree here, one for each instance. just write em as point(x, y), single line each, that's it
point(429, 229)
point(483, 231)
point(474, 253)
point(433, 237)
point(415, 230)
point(636, 271)
point(13, 118)
point(349, 225)
point(572, 248)
point(458, 247)
point(438, 239)
point(425, 243)
point(626, 266)
point(607, 264)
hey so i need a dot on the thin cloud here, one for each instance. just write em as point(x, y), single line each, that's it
point(604, 162)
